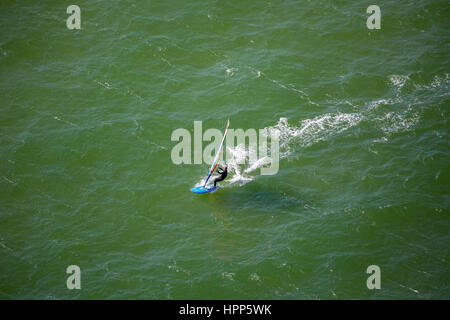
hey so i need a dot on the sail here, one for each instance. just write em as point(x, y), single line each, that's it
point(219, 152)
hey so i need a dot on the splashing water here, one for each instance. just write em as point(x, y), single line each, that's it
point(242, 160)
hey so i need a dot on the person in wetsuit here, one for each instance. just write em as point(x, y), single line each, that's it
point(223, 174)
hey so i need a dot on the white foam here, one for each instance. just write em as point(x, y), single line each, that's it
point(313, 130)
point(242, 161)
point(237, 158)
point(398, 122)
point(437, 82)
point(398, 80)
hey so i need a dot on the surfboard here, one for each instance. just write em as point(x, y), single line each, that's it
point(204, 189)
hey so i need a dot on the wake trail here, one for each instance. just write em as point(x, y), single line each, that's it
point(383, 114)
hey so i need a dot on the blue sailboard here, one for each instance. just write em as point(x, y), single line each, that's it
point(203, 189)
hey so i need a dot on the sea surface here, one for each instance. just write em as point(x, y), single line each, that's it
point(87, 177)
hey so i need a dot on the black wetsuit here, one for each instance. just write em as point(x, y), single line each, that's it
point(223, 175)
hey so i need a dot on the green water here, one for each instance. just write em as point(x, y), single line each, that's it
point(86, 176)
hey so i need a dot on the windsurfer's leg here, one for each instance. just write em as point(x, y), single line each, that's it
point(218, 179)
